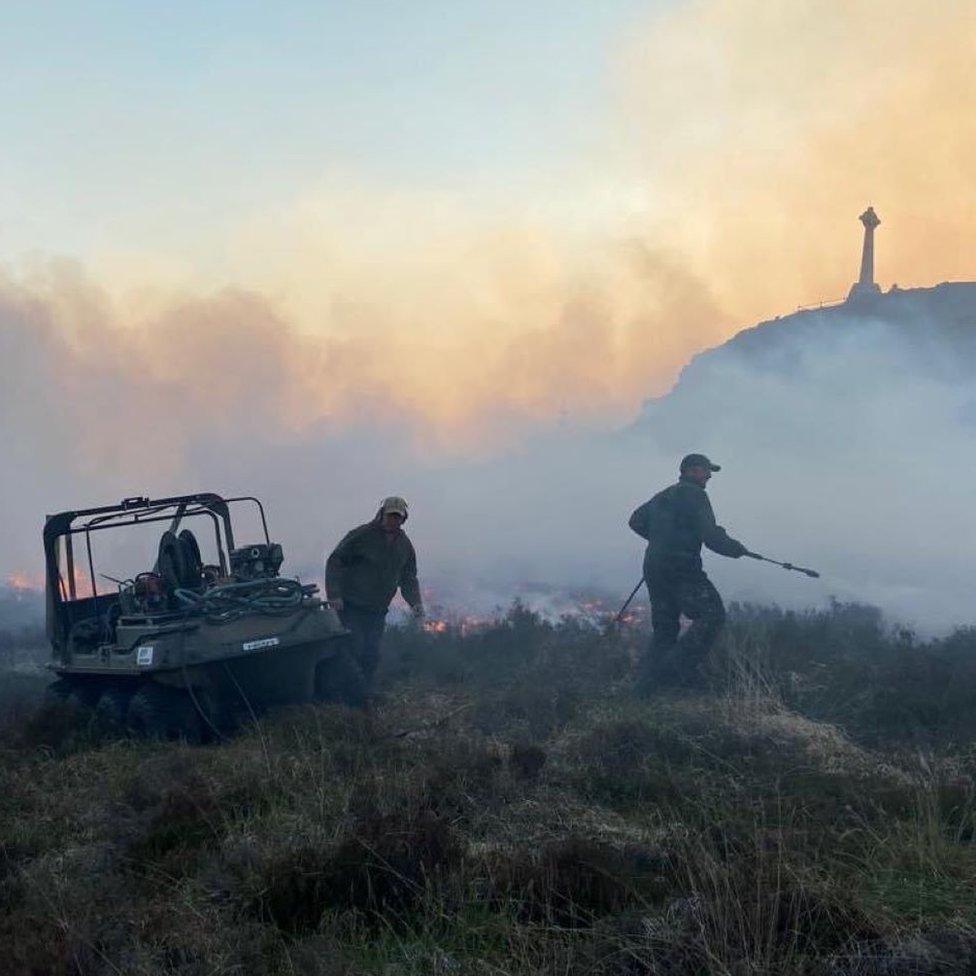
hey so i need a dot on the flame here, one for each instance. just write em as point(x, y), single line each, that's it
point(553, 605)
point(83, 584)
point(458, 624)
point(23, 582)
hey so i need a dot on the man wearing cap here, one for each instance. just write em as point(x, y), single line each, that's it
point(676, 522)
point(363, 574)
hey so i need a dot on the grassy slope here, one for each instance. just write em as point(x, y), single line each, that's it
point(511, 808)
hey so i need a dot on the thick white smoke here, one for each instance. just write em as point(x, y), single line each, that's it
point(846, 441)
point(396, 342)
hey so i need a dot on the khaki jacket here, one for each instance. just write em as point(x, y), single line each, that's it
point(368, 566)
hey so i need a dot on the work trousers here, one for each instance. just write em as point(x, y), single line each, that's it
point(677, 592)
point(367, 628)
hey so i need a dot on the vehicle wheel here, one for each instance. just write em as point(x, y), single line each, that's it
point(213, 714)
point(79, 694)
point(339, 679)
point(158, 712)
point(58, 690)
point(111, 710)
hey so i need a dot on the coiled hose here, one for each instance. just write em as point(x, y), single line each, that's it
point(231, 601)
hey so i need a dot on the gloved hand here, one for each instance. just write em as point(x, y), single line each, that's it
point(337, 604)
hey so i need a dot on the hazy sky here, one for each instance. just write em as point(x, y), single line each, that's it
point(226, 142)
point(467, 220)
point(123, 122)
point(337, 252)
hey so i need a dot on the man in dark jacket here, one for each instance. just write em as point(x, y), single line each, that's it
point(363, 574)
point(676, 522)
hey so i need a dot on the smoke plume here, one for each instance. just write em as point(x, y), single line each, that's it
point(765, 129)
point(363, 341)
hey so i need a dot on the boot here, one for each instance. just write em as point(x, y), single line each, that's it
point(656, 672)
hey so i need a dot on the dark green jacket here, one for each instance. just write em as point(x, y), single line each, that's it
point(676, 523)
point(368, 566)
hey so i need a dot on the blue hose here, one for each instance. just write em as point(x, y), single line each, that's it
point(262, 597)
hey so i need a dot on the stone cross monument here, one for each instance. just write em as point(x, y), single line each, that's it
point(865, 286)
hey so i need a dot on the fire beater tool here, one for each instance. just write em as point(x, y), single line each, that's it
point(812, 573)
point(623, 609)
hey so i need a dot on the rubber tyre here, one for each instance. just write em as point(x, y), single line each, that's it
point(216, 720)
point(339, 679)
point(111, 711)
point(76, 693)
point(158, 712)
point(57, 691)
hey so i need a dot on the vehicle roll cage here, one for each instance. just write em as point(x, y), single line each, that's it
point(130, 511)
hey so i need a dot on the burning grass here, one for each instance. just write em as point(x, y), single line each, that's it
point(510, 807)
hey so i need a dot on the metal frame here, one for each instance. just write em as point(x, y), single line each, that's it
point(130, 511)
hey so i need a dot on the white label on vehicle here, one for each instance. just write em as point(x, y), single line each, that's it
point(144, 655)
point(259, 645)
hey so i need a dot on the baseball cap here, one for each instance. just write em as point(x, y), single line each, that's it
point(698, 461)
point(394, 505)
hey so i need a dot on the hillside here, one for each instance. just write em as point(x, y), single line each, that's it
point(929, 332)
point(510, 808)
point(933, 321)
point(846, 440)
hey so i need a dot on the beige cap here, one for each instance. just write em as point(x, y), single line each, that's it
point(394, 505)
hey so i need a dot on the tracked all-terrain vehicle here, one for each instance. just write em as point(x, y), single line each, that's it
point(186, 648)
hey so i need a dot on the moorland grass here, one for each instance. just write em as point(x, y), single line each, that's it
point(509, 807)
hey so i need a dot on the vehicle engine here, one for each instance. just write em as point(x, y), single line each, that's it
point(260, 561)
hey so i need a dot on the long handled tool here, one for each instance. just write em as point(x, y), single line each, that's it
point(812, 573)
point(623, 609)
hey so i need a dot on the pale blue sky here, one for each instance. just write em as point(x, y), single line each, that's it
point(122, 121)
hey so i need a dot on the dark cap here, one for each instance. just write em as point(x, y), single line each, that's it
point(698, 461)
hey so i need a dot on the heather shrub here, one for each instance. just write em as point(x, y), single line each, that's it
point(571, 881)
point(383, 868)
point(508, 805)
